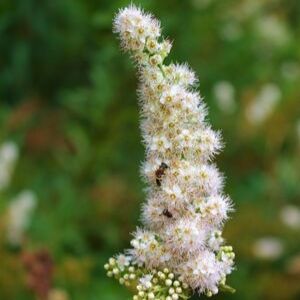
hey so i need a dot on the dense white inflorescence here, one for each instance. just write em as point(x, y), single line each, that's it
point(185, 207)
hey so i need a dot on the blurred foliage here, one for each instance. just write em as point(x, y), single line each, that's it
point(68, 100)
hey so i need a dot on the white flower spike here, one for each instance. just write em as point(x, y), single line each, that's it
point(180, 251)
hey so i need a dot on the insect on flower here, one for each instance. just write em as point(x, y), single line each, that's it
point(160, 172)
point(167, 213)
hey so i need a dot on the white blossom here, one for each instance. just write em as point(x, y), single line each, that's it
point(185, 236)
point(147, 249)
point(215, 208)
point(185, 207)
point(174, 193)
point(123, 261)
point(215, 240)
point(134, 27)
point(202, 271)
point(146, 281)
point(160, 143)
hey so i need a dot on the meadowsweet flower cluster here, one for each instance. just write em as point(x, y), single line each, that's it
point(180, 249)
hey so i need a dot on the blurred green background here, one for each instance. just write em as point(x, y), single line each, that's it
point(70, 146)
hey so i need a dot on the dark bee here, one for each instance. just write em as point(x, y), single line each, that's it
point(160, 172)
point(167, 213)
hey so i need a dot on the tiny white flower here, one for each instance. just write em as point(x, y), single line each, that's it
point(152, 45)
point(185, 236)
point(123, 261)
point(155, 60)
point(165, 48)
point(145, 281)
point(160, 143)
point(174, 192)
point(215, 240)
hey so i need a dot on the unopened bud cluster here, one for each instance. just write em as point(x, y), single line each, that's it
point(122, 271)
point(152, 285)
point(185, 208)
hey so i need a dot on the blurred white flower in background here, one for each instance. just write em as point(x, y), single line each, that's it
point(272, 30)
point(290, 216)
point(264, 104)
point(224, 94)
point(8, 155)
point(19, 214)
point(269, 248)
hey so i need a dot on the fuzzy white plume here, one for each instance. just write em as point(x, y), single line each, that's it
point(185, 207)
